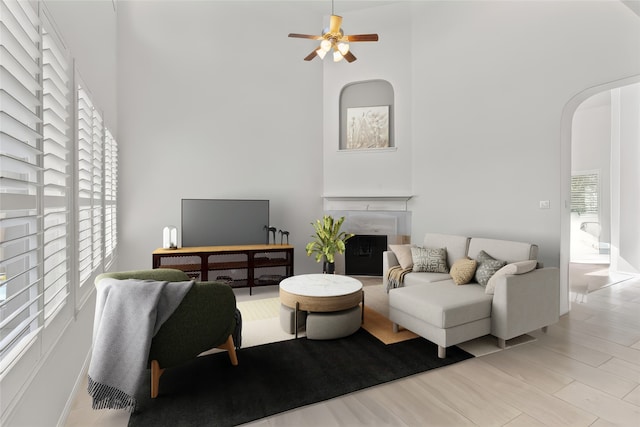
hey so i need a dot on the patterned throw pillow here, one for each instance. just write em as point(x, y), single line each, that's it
point(462, 270)
point(487, 266)
point(431, 260)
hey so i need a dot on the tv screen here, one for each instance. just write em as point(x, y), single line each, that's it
point(222, 222)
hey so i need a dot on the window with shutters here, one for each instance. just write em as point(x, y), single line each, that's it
point(58, 187)
point(585, 193)
point(21, 183)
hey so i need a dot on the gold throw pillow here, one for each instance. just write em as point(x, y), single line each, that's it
point(463, 270)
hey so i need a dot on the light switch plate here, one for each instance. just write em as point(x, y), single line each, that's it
point(544, 204)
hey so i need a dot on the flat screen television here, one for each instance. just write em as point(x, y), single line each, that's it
point(222, 222)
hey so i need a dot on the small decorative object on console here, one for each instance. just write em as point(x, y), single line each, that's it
point(170, 237)
point(282, 234)
point(273, 231)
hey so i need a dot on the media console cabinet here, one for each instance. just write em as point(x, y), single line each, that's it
point(240, 266)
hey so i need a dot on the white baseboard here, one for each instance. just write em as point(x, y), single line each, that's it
point(76, 389)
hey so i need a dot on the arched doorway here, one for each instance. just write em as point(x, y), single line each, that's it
point(599, 182)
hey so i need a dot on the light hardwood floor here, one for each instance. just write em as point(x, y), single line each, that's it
point(584, 372)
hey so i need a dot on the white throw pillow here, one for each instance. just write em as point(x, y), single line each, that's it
point(403, 253)
point(519, 267)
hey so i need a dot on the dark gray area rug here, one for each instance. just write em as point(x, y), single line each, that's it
point(277, 377)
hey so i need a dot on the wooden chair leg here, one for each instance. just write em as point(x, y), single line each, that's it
point(156, 372)
point(230, 346)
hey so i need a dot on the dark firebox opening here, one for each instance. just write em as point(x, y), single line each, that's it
point(363, 255)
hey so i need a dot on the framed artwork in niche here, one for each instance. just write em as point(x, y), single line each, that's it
point(367, 127)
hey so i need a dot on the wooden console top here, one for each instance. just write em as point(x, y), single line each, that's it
point(231, 248)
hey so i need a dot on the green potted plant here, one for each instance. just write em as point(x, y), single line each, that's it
point(328, 241)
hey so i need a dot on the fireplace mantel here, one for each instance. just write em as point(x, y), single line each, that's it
point(366, 203)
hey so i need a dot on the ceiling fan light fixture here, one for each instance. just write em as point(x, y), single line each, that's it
point(333, 38)
point(325, 45)
point(343, 48)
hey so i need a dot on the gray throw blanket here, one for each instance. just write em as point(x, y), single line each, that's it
point(128, 314)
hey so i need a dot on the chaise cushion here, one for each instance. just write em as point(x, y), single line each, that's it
point(443, 304)
point(413, 279)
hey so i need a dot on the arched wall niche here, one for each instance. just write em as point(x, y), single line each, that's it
point(363, 94)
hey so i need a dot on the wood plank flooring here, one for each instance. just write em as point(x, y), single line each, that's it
point(584, 372)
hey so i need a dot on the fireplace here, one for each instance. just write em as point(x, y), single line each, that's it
point(363, 255)
point(375, 222)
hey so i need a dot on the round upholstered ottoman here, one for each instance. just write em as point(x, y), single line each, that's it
point(335, 324)
point(288, 319)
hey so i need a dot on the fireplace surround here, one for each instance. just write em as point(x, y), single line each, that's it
point(376, 222)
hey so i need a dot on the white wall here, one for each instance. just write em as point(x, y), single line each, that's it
point(371, 172)
point(216, 102)
point(491, 80)
point(628, 99)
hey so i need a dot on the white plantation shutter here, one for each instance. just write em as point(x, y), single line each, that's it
point(85, 183)
point(58, 192)
point(97, 153)
point(90, 180)
point(585, 193)
point(57, 144)
point(110, 196)
point(21, 286)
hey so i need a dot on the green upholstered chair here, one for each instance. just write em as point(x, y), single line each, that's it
point(205, 319)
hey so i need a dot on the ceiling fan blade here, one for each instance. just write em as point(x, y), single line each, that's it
point(305, 36)
point(334, 24)
point(361, 38)
point(312, 55)
point(350, 57)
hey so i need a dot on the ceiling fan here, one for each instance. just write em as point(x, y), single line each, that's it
point(334, 38)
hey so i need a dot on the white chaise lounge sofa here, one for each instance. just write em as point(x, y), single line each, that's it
point(433, 306)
